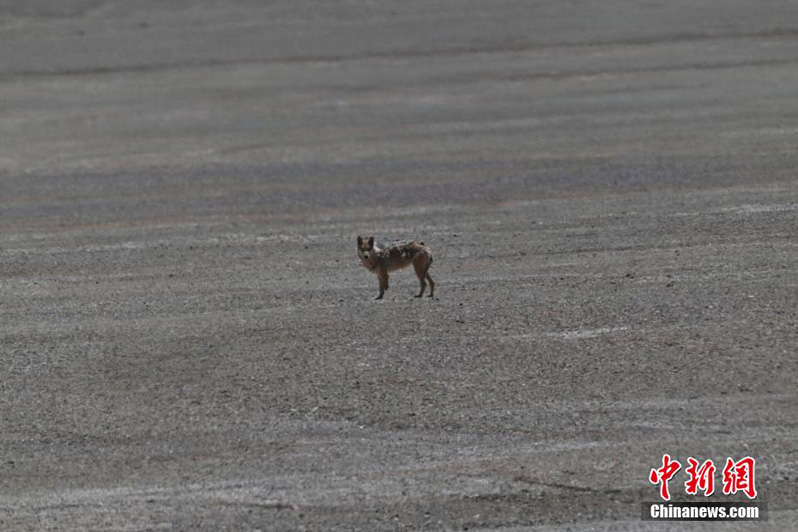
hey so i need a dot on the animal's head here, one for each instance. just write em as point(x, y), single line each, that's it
point(365, 248)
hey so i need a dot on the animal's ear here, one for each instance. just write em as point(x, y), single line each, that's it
point(359, 240)
point(371, 242)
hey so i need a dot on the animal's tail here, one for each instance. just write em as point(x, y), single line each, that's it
point(428, 252)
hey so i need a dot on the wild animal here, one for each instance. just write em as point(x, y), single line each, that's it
point(396, 256)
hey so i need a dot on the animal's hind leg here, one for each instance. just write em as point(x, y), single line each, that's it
point(421, 271)
point(431, 284)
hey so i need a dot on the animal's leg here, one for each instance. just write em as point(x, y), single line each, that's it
point(431, 282)
point(383, 276)
point(420, 268)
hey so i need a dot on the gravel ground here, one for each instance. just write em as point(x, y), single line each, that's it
point(189, 342)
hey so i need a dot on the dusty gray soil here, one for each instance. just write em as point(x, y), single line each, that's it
point(189, 342)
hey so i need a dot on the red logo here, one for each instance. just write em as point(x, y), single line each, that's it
point(664, 474)
point(737, 476)
point(701, 478)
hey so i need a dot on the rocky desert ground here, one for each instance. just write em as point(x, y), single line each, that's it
point(188, 339)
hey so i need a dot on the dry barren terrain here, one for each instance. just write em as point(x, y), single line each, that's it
point(187, 340)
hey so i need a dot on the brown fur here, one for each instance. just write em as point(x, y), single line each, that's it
point(396, 256)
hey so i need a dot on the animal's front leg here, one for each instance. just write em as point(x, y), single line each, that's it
point(383, 276)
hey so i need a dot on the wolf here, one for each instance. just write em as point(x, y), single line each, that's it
point(396, 256)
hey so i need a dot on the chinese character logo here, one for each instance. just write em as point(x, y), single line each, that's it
point(737, 476)
point(701, 478)
point(664, 474)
